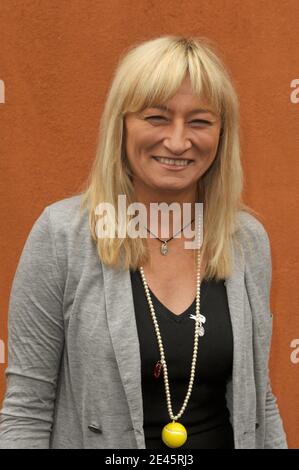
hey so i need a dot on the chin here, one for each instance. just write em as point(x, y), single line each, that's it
point(171, 187)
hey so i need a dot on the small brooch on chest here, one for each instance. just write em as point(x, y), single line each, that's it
point(202, 319)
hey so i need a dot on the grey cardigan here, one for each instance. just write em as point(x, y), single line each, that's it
point(74, 367)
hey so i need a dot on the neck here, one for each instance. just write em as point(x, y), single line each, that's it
point(148, 197)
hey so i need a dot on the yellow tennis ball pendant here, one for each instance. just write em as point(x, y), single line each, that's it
point(174, 434)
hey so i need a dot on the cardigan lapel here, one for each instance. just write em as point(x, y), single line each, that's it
point(236, 386)
point(124, 336)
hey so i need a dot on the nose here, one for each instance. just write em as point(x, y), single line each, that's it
point(176, 141)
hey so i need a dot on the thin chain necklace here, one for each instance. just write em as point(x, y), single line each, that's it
point(175, 434)
point(164, 247)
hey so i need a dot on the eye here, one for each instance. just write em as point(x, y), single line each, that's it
point(194, 121)
point(202, 121)
point(155, 117)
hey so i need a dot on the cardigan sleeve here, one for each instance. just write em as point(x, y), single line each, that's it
point(275, 436)
point(35, 342)
point(258, 278)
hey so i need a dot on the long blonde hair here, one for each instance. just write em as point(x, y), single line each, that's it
point(148, 73)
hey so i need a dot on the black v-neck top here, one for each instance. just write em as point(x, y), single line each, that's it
point(206, 416)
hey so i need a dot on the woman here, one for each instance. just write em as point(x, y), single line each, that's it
point(123, 342)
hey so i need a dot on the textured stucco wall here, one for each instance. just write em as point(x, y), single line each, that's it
point(56, 62)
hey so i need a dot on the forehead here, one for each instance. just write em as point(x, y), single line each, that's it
point(185, 87)
point(184, 100)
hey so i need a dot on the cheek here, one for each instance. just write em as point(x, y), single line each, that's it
point(207, 142)
point(137, 151)
point(139, 140)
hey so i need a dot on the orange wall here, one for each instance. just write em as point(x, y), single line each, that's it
point(56, 62)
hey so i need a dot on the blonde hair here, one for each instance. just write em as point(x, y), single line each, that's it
point(148, 73)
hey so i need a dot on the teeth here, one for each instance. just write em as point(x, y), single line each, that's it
point(171, 161)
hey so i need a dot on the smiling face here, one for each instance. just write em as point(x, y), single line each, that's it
point(184, 133)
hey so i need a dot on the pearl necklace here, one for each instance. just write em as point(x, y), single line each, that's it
point(175, 434)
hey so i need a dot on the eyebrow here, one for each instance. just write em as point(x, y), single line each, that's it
point(194, 111)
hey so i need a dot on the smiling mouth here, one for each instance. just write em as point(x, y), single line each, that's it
point(182, 162)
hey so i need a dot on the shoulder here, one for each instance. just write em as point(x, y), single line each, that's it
point(64, 210)
point(56, 218)
point(69, 228)
point(252, 233)
point(65, 218)
point(248, 223)
point(255, 245)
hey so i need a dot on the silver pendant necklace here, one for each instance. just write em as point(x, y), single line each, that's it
point(164, 247)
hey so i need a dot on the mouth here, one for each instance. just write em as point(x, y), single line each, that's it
point(173, 163)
